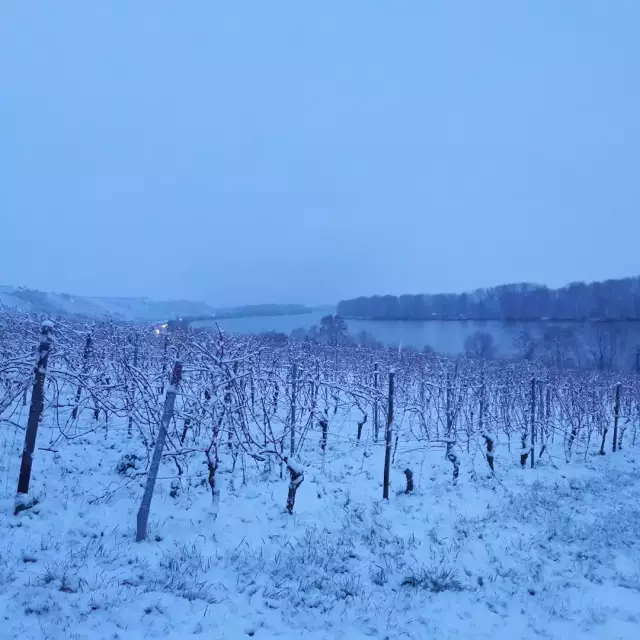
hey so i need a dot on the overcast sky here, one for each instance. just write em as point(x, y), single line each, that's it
point(270, 151)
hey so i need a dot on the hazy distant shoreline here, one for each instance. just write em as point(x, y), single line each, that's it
point(500, 320)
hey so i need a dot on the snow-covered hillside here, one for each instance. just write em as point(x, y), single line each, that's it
point(126, 309)
point(525, 554)
point(541, 548)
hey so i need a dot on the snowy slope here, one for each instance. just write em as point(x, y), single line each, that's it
point(546, 553)
point(131, 309)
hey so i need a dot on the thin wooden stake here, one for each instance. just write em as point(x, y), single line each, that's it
point(388, 438)
point(375, 403)
point(169, 402)
point(35, 411)
point(533, 422)
point(616, 417)
point(85, 369)
point(133, 390)
point(294, 376)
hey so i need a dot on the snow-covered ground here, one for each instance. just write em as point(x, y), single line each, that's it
point(552, 552)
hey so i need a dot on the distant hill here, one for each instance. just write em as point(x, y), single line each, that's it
point(125, 309)
point(134, 309)
point(246, 311)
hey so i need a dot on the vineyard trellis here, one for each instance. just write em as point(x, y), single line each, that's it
point(253, 403)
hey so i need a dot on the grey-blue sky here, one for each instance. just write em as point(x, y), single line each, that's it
point(309, 151)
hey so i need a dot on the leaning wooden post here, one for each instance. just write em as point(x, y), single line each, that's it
point(388, 430)
point(35, 411)
point(616, 417)
point(169, 402)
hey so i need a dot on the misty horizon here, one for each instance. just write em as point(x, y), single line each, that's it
point(309, 154)
point(214, 304)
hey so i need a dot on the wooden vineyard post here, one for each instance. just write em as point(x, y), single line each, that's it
point(547, 415)
point(85, 369)
point(375, 402)
point(616, 417)
point(388, 434)
point(35, 411)
point(133, 390)
point(169, 402)
point(423, 421)
point(165, 349)
point(481, 408)
point(533, 422)
point(294, 376)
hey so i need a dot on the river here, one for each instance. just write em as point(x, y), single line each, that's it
point(443, 336)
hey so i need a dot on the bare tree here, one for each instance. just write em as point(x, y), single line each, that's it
point(480, 344)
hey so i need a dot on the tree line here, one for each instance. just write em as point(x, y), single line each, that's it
point(612, 300)
point(603, 346)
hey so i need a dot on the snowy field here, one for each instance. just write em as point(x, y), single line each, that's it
point(546, 552)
